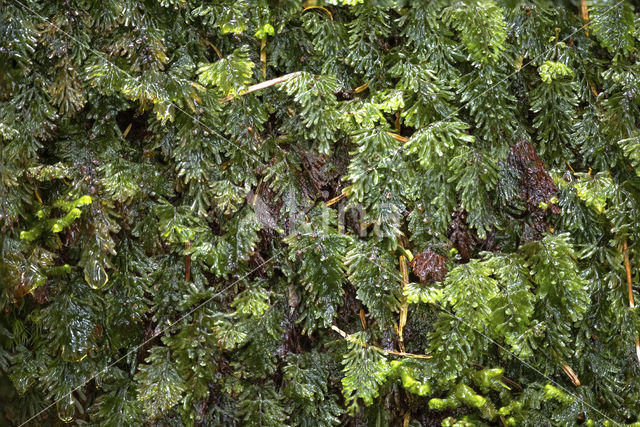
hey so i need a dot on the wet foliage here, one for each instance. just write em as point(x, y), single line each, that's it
point(268, 213)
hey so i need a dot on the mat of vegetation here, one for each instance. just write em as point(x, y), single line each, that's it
point(350, 212)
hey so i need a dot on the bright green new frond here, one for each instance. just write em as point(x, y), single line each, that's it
point(468, 290)
point(230, 74)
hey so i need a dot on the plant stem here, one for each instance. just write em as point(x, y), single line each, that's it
point(363, 344)
point(262, 85)
point(627, 267)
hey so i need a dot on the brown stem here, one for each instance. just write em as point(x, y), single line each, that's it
point(406, 419)
point(571, 374)
point(213, 47)
point(363, 344)
point(397, 137)
point(337, 198)
point(363, 319)
point(263, 57)
point(319, 8)
point(404, 308)
point(262, 85)
point(627, 268)
point(361, 88)
point(126, 131)
point(187, 262)
point(584, 14)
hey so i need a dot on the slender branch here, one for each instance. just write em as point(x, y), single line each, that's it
point(126, 131)
point(319, 8)
point(187, 262)
point(584, 14)
point(363, 344)
point(361, 88)
point(397, 137)
point(363, 319)
point(406, 419)
point(338, 198)
point(571, 374)
point(262, 85)
point(404, 308)
point(213, 46)
point(263, 57)
point(627, 267)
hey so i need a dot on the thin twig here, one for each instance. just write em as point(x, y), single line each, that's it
point(361, 88)
point(263, 57)
point(187, 261)
point(363, 319)
point(571, 374)
point(406, 419)
point(404, 308)
point(363, 344)
point(319, 8)
point(627, 267)
point(397, 137)
point(338, 198)
point(584, 14)
point(213, 46)
point(262, 85)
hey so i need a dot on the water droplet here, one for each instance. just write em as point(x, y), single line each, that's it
point(95, 275)
point(66, 409)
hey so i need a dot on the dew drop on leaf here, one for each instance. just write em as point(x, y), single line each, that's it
point(95, 275)
point(66, 409)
